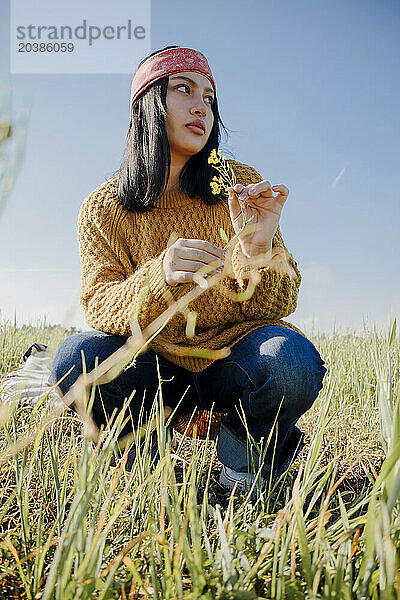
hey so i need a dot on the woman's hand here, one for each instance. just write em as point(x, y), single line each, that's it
point(266, 209)
point(185, 257)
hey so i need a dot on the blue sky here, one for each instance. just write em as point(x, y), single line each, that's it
point(312, 93)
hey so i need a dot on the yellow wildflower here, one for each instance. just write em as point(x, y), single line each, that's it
point(220, 184)
point(227, 177)
point(213, 158)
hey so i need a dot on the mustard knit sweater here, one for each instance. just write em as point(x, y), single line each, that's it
point(122, 251)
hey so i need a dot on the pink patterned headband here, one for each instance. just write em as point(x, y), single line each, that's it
point(167, 62)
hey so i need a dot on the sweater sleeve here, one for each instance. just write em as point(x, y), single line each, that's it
point(109, 296)
point(276, 277)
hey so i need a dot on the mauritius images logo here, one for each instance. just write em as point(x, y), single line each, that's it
point(106, 39)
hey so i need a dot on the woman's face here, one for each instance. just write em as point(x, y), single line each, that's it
point(189, 98)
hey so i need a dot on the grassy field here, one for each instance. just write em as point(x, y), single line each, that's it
point(75, 524)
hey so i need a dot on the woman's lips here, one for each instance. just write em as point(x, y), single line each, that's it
point(195, 129)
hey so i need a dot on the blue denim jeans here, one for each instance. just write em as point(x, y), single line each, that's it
point(274, 372)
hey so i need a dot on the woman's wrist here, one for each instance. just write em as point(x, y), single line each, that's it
point(259, 258)
point(258, 252)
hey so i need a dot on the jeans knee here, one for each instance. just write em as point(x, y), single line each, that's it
point(299, 369)
point(68, 356)
point(65, 358)
point(303, 383)
point(291, 387)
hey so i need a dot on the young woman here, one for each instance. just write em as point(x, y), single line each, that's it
point(153, 226)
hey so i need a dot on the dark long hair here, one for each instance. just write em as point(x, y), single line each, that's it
point(143, 175)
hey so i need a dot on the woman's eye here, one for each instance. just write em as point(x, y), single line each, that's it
point(185, 85)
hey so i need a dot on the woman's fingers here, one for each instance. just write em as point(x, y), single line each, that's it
point(241, 192)
point(208, 249)
point(281, 189)
point(188, 257)
point(203, 252)
point(195, 265)
point(253, 189)
point(189, 276)
point(234, 208)
point(259, 188)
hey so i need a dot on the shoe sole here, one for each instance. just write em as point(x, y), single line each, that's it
point(229, 483)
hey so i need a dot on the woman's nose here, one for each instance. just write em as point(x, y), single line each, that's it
point(199, 111)
point(199, 108)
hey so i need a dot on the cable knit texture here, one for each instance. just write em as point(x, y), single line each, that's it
point(121, 255)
